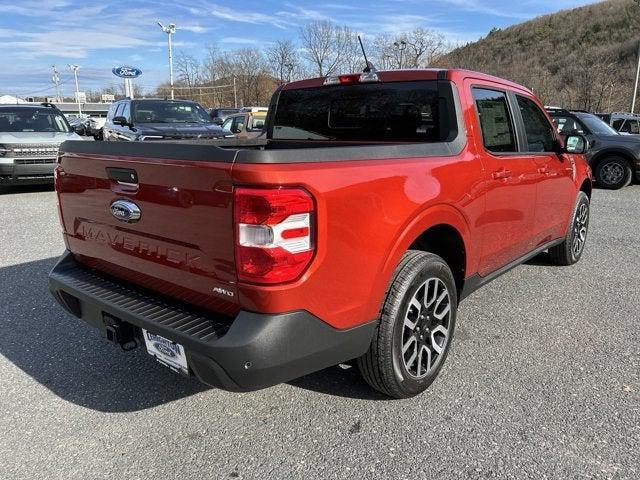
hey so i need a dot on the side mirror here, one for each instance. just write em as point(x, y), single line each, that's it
point(217, 120)
point(120, 121)
point(79, 129)
point(576, 144)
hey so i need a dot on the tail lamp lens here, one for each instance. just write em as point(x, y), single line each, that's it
point(274, 229)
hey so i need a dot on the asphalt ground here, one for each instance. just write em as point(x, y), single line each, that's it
point(543, 381)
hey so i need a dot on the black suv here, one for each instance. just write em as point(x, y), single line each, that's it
point(614, 158)
point(157, 119)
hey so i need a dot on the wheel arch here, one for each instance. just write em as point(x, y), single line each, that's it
point(441, 229)
point(587, 187)
point(446, 242)
point(612, 152)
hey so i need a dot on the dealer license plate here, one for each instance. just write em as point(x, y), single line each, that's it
point(167, 352)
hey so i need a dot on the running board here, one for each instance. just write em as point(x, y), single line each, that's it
point(476, 281)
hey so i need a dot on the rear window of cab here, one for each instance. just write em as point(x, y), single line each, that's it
point(370, 112)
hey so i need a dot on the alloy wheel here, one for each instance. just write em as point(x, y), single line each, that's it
point(612, 173)
point(580, 228)
point(425, 331)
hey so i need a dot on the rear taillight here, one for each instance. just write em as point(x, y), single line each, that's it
point(274, 234)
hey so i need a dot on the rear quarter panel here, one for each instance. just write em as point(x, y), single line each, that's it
point(368, 213)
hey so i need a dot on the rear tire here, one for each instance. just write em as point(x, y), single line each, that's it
point(570, 251)
point(613, 173)
point(415, 328)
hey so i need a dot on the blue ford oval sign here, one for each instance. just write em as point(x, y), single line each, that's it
point(126, 72)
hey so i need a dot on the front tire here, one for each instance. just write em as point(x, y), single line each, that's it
point(415, 328)
point(613, 173)
point(570, 251)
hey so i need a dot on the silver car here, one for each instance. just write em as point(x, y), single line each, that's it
point(30, 135)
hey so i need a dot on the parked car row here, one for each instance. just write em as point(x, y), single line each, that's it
point(614, 158)
point(614, 153)
point(30, 134)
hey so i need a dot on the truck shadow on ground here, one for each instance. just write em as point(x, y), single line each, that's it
point(73, 361)
point(70, 358)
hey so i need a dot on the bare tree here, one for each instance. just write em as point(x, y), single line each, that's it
point(188, 70)
point(283, 60)
point(419, 48)
point(324, 46)
point(423, 47)
point(353, 61)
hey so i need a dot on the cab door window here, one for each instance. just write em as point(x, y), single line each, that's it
point(537, 128)
point(498, 134)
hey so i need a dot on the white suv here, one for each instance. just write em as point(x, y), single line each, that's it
point(30, 135)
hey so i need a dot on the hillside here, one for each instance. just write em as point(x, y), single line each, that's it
point(582, 58)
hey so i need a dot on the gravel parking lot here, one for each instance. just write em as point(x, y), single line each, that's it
point(543, 381)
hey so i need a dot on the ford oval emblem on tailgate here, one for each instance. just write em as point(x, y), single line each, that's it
point(126, 211)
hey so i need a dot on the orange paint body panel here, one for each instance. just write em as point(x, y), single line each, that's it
point(367, 214)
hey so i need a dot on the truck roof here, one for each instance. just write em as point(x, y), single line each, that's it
point(406, 75)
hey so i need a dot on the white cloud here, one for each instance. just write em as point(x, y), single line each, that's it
point(240, 41)
point(194, 28)
point(240, 16)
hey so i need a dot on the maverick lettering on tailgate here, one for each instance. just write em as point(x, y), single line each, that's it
point(150, 249)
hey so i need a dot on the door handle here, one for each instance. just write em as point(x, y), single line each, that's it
point(501, 174)
point(544, 171)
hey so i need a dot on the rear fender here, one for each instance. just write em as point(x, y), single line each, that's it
point(430, 217)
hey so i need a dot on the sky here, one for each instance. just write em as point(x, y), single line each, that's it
point(35, 34)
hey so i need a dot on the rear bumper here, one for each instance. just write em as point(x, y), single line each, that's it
point(27, 173)
point(248, 352)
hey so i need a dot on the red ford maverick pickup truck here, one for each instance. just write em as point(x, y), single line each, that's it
point(374, 204)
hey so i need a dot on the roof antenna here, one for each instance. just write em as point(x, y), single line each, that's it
point(369, 67)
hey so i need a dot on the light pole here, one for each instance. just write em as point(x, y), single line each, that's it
point(75, 74)
point(235, 93)
point(401, 46)
point(169, 30)
point(55, 78)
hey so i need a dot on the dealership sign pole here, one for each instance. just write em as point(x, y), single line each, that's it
point(128, 74)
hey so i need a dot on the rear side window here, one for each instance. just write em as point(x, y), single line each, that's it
point(495, 120)
point(539, 131)
point(372, 112)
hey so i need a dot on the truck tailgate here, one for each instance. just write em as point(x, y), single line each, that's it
point(183, 243)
